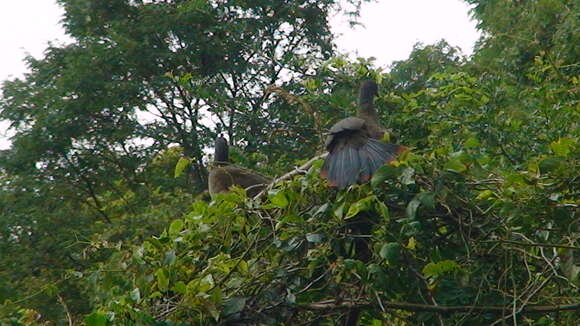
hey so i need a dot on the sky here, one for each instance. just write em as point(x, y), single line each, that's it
point(390, 29)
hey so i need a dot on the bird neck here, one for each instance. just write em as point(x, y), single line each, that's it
point(367, 112)
point(366, 96)
point(221, 156)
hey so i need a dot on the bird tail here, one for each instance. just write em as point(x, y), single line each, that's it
point(351, 165)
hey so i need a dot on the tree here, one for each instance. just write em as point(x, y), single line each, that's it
point(476, 225)
point(517, 32)
point(94, 119)
point(205, 64)
point(460, 230)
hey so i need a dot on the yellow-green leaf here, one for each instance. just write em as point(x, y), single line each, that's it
point(360, 206)
point(455, 165)
point(562, 147)
point(412, 244)
point(162, 280)
point(485, 194)
point(181, 165)
point(279, 200)
point(176, 226)
point(439, 268)
point(471, 142)
point(96, 319)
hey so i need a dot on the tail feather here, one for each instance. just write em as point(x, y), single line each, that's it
point(351, 165)
point(374, 155)
point(379, 152)
point(342, 167)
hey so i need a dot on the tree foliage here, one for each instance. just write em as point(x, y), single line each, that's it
point(98, 122)
point(476, 224)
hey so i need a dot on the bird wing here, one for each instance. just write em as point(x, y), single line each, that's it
point(354, 153)
point(343, 128)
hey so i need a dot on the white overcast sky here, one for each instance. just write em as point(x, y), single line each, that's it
point(391, 28)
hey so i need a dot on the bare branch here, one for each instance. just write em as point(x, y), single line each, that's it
point(345, 305)
point(299, 170)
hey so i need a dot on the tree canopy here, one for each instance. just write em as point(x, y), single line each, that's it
point(103, 218)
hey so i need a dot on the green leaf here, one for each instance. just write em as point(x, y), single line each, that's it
point(440, 268)
point(243, 267)
point(51, 290)
point(375, 269)
point(339, 211)
point(550, 164)
point(193, 5)
point(310, 84)
point(180, 287)
point(155, 295)
point(516, 178)
point(290, 297)
point(383, 173)
point(321, 209)
point(412, 207)
point(156, 243)
point(206, 283)
point(407, 176)
point(427, 199)
point(314, 237)
point(485, 194)
point(317, 165)
point(280, 200)
point(391, 252)
point(383, 210)
point(355, 265)
point(96, 319)
point(169, 258)
point(234, 305)
point(181, 165)
point(360, 206)
point(455, 165)
point(471, 142)
point(176, 226)
point(136, 295)
point(563, 146)
point(162, 280)
point(412, 244)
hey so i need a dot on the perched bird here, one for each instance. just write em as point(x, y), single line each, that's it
point(355, 146)
point(355, 151)
point(224, 175)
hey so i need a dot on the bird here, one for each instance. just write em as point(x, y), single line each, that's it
point(355, 151)
point(354, 144)
point(223, 175)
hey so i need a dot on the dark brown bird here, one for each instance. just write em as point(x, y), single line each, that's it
point(223, 175)
point(355, 149)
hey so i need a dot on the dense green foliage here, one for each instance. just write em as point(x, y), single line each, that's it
point(476, 225)
point(97, 123)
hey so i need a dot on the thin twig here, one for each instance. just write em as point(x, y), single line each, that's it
point(66, 310)
point(546, 245)
point(526, 300)
point(299, 170)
